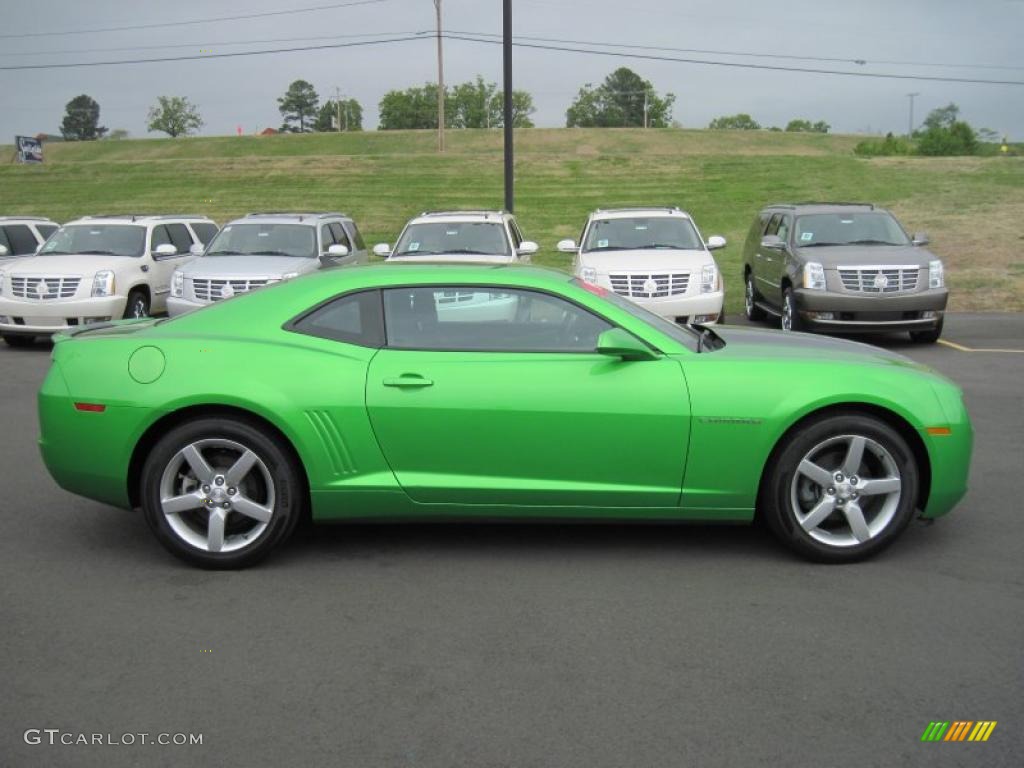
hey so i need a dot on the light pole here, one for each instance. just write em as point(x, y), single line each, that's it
point(440, 81)
point(910, 122)
point(507, 50)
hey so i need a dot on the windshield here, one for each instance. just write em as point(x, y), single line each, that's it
point(96, 240)
point(296, 240)
point(483, 238)
point(681, 333)
point(650, 233)
point(875, 228)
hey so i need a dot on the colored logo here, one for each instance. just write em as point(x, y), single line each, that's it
point(958, 730)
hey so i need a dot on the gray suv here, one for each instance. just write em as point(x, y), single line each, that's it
point(262, 249)
point(842, 267)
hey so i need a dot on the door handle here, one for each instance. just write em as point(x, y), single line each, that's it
point(408, 380)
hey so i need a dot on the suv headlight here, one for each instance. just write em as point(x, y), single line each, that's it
point(178, 284)
point(814, 276)
point(708, 278)
point(588, 275)
point(936, 274)
point(103, 283)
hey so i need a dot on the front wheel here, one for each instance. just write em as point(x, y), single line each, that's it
point(841, 489)
point(791, 320)
point(753, 312)
point(137, 305)
point(927, 337)
point(220, 493)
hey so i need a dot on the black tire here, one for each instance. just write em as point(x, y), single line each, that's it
point(753, 312)
point(825, 541)
point(18, 341)
point(285, 488)
point(927, 337)
point(790, 319)
point(137, 305)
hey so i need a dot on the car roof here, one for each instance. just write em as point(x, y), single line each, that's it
point(455, 216)
point(27, 219)
point(139, 218)
point(822, 207)
point(311, 218)
point(625, 213)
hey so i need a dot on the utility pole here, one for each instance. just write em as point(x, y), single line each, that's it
point(440, 81)
point(646, 107)
point(510, 202)
point(910, 122)
point(337, 105)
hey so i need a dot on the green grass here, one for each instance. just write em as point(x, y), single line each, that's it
point(971, 206)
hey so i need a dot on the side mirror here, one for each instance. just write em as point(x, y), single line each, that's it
point(527, 247)
point(715, 242)
point(4, 251)
point(921, 238)
point(567, 246)
point(164, 250)
point(382, 249)
point(772, 243)
point(337, 251)
point(622, 344)
point(196, 249)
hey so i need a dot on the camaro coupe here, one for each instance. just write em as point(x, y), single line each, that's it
point(367, 393)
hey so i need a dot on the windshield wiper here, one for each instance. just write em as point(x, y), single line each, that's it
point(472, 252)
point(274, 253)
point(818, 245)
point(654, 246)
point(56, 253)
point(415, 253)
point(608, 248)
point(225, 253)
point(870, 242)
point(98, 253)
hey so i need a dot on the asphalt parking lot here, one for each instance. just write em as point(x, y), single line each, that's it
point(521, 645)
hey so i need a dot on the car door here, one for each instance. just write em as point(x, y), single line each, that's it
point(359, 252)
point(766, 271)
point(494, 396)
point(782, 257)
point(163, 266)
point(341, 237)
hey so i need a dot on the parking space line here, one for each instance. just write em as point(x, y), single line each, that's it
point(962, 348)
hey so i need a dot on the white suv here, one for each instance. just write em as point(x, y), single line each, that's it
point(95, 269)
point(491, 237)
point(22, 235)
point(655, 257)
point(265, 248)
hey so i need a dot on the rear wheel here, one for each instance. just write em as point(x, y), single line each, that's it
point(137, 305)
point(841, 489)
point(754, 313)
point(220, 493)
point(791, 320)
point(927, 337)
point(18, 341)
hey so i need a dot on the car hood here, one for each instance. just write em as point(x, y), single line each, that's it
point(765, 343)
point(645, 260)
point(832, 256)
point(72, 264)
point(451, 258)
point(248, 266)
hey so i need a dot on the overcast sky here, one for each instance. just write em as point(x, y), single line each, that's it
point(242, 91)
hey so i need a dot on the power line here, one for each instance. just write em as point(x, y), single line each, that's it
point(738, 65)
point(858, 60)
point(209, 55)
point(265, 14)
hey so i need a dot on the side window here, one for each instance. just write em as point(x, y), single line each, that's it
point(773, 225)
point(326, 238)
point(160, 236)
point(357, 237)
point(180, 237)
point(20, 240)
point(204, 231)
point(45, 230)
point(783, 231)
point(340, 236)
point(482, 318)
point(4, 241)
point(353, 319)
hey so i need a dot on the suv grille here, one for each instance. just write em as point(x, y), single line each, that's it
point(215, 289)
point(651, 286)
point(44, 287)
point(879, 279)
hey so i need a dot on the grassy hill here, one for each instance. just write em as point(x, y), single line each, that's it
point(972, 207)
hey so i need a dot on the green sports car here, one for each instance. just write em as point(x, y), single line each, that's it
point(434, 392)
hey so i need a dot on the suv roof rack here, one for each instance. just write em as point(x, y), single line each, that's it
point(628, 208)
point(137, 216)
point(838, 203)
point(475, 212)
point(24, 218)
point(300, 214)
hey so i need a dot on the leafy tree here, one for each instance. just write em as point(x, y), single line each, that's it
point(117, 133)
point(81, 120)
point(175, 116)
point(806, 126)
point(298, 105)
point(944, 134)
point(351, 116)
point(943, 117)
point(414, 108)
point(738, 122)
point(988, 135)
point(620, 101)
point(891, 145)
point(522, 108)
point(477, 104)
